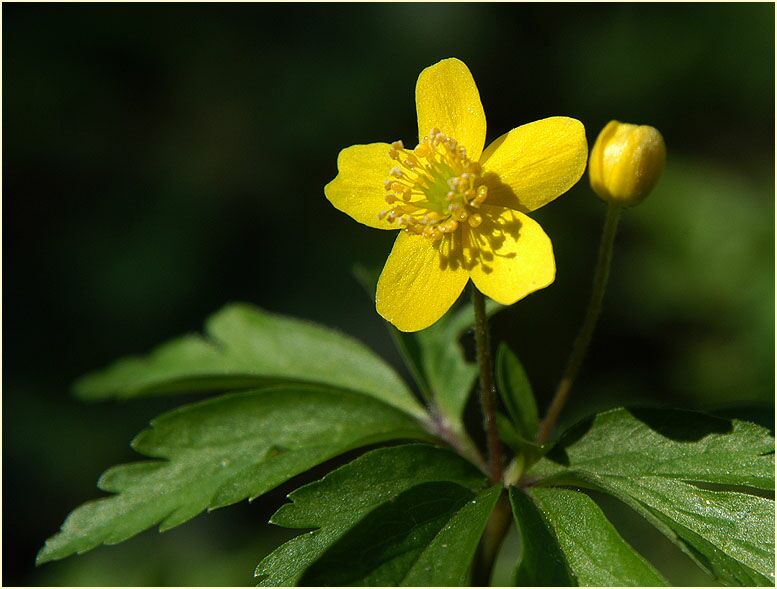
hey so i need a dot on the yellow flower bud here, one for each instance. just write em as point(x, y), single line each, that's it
point(626, 162)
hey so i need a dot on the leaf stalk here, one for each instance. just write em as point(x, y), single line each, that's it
point(584, 336)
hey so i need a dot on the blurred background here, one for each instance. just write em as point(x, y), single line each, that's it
point(163, 160)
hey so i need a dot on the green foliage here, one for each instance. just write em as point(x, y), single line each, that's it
point(414, 514)
point(441, 359)
point(576, 532)
point(436, 359)
point(666, 443)
point(729, 534)
point(435, 356)
point(438, 356)
point(516, 392)
point(221, 451)
point(519, 431)
point(247, 347)
point(542, 562)
point(526, 452)
point(407, 515)
point(648, 458)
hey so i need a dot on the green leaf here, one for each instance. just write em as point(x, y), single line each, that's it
point(247, 347)
point(542, 562)
point(669, 443)
point(525, 451)
point(729, 534)
point(643, 457)
point(516, 392)
point(435, 356)
point(223, 450)
point(443, 362)
point(444, 561)
point(593, 550)
point(406, 515)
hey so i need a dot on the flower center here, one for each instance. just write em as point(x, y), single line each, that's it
point(433, 188)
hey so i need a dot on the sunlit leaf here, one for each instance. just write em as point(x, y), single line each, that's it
point(541, 562)
point(570, 532)
point(223, 450)
point(646, 458)
point(246, 347)
point(670, 443)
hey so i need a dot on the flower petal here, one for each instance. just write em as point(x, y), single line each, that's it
point(358, 189)
point(516, 256)
point(535, 163)
point(447, 98)
point(419, 282)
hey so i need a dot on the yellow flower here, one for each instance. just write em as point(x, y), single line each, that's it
point(626, 162)
point(462, 210)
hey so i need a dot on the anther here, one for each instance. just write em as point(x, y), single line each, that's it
point(475, 220)
point(447, 187)
point(450, 226)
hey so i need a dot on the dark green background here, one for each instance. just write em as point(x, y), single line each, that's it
point(162, 160)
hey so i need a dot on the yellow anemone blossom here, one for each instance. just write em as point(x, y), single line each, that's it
point(462, 210)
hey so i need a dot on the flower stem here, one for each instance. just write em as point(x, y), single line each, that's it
point(589, 323)
point(487, 390)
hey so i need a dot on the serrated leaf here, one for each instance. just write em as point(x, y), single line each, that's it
point(729, 534)
point(591, 547)
point(677, 444)
point(643, 458)
point(406, 515)
point(223, 450)
point(516, 392)
point(247, 347)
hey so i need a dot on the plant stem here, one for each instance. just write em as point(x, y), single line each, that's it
point(487, 390)
point(589, 323)
point(455, 437)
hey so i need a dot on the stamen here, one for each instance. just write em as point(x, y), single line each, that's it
point(475, 220)
point(434, 187)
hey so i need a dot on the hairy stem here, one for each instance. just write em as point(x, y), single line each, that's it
point(455, 438)
point(487, 390)
point(589, 323)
